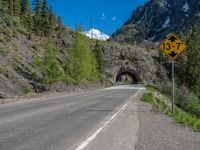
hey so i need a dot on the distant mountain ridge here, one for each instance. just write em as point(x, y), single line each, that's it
point(96, 34)
point(158, 18)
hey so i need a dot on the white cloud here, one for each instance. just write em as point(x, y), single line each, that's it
point(114, 18)
point(103, 16)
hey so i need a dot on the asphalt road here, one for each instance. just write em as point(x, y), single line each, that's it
point(96, 120)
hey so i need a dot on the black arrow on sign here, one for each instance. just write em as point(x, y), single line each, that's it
point(172, 38)
point(173, 54)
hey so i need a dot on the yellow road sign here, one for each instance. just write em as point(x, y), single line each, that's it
point(173, 46)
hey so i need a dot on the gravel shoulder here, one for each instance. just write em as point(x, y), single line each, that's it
point(53, 94)
point(159, 132)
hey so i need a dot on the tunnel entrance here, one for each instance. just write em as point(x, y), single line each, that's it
point(127, 77)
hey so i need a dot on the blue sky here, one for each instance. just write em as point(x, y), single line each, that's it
point(106, 15)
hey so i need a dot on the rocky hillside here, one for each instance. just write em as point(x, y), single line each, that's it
point(38, 64)
point(22, 59)
point(157, 18)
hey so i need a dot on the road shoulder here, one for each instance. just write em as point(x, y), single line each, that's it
point(159, 132)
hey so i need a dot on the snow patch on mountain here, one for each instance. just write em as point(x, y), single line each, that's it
point(96, 34)
point(186, 6)
point(166, 24)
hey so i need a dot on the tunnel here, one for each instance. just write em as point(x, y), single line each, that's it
point(127, 76)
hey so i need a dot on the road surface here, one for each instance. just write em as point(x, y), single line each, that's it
point(69, 122)
point(106, 119)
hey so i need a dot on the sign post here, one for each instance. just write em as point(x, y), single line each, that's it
point(173, 92)
point(172, 46)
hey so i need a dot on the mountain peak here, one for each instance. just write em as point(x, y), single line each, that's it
point(158, 18)
point(96, 34)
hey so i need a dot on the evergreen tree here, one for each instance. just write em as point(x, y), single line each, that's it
point(37, 16)
point(26, 14)
point(82, 63)
point(4, 5)
point(59, 23)
point(17, 8)
point(193, 66)
point(11, 7)
point(37, 7)
point(79, 27)
point(25, 7)
point(45, 18)
point(51, 20)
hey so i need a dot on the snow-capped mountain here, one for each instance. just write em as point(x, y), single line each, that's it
point(157, 18)
point(96, 34)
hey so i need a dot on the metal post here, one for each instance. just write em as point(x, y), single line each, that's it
point(173, 86)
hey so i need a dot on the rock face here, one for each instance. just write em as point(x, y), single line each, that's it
point(158, 18)
point(137, 61)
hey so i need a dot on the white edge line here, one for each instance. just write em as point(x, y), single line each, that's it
point(98, 131)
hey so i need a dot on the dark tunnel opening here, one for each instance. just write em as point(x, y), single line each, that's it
point(126, 78)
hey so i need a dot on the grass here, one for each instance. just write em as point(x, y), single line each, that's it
point(4, 51)
point(3, 41)
point(6, 72)
point(161, 103)
point(18, 59)
point(36, 61)
point(26, 90)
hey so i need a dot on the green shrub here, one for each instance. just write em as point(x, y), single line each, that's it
point(31, 72)
point(3, 41)
point(6, 72)
point(197, 126)
point(22, 30)
point(36, 61)
point(18, 59)
point(16, 22)
point(9, 20)
point(14, 33)
point(4, 51)
point(69, 80)
point(27, 90)
point(147, 97)
point(52, 67)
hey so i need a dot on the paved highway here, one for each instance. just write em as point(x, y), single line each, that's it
point(106, 119)
point(94, 120)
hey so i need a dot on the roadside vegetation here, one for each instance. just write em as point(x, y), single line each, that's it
point(162, 103)
point(187, 71)
point(81, 63)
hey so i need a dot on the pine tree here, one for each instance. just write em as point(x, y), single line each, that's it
point(79, 27)
point(59, 23)
point(193, 66)
point(45, 18)
point(11, 7)
point(51, 19)
point(17, 8)
point(82, 63)
point(37, 16)
point(4, 5)
point(25, 7)
point(37, 7)
point(26, 14)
